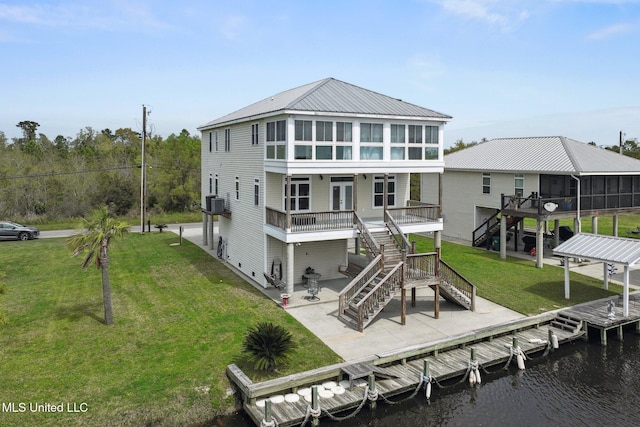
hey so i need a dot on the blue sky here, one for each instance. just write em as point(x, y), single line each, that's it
point(501, 68)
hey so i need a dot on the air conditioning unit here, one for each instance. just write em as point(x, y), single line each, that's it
point(214, 204)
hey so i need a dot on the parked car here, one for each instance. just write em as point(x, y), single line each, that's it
point(17, 231)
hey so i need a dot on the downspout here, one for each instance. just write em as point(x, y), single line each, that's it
point(579, 230)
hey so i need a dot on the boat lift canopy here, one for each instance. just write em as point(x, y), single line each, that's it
point(605, 249)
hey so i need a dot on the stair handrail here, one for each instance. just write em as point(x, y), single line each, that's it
point(486, 226)
point(369, 242)
point(379, 293)
point(398, 236)
point(451, 277)
point(346, 295)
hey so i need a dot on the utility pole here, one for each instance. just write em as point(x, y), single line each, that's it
point(143, 170)
point(621, 142)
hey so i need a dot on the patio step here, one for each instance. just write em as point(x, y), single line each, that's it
point(567, 323)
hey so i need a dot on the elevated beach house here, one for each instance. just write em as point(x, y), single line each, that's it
point(489, 189)
point(296, 176)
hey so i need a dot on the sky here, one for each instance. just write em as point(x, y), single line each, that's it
point(500, 68)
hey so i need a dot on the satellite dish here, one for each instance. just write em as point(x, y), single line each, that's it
point(550, 206)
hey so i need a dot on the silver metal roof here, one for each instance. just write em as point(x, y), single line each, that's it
point(551, 154)
point(329, 96)
point(617, 250)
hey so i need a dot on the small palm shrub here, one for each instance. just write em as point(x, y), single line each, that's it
point(268, 346)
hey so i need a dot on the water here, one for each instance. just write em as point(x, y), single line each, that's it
point(580, 384)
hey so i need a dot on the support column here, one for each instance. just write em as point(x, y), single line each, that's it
point(594, 224)
point(539, 244)
point(212, 243)
point(605, 272)
point(355, 193)
point(287, 205)
point(615, 226)
point(625, 292)
point(566, 278)
point(556, 232)
point(205, 223)
point(503, 237)
point(290, 262)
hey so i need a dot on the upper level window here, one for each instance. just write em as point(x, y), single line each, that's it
point(210, 141)
point(276, 138)
point(415, 134)
point(254, 134)
point(343, 132)
point(324, 131)
point(303, 130)
point(237, 188)
point(216, 139)
point(431, 134)
point(486, 183)
point(277, 131)
point(371, 132)
point(227, 139)
point(397, 133)
point(519, 184)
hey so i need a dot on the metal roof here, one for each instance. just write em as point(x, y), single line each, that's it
point(329, 96)
point(617, 250)
point(550, 154)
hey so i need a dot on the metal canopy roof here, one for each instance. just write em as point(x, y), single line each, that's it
point(550, 154)
point(329, 96)
point(617, 250)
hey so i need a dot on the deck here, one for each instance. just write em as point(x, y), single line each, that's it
point(596, 316)
point(398, 372)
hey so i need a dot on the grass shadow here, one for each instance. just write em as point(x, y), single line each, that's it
point(79, 311)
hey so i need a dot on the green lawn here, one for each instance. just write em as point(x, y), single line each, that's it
point(180, 318)
point(517, 284)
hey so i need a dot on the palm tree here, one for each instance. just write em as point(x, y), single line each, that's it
point(268, 345)
point(100, 228)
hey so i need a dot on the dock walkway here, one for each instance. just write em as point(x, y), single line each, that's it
point(402, 371)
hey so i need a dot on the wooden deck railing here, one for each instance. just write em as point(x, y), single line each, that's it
point(311, 221)
point(455, 279)
point(369, 242)
point(359, 282)
point(374, 300)
point(416, 213)
point(420, 266)
point(398, 236)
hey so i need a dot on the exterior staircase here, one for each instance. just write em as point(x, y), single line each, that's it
point(567, 323)
point(390, 267)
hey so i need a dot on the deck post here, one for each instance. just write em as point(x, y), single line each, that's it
point(403, 307)
point(314, 405)
point(372, 391)
point(539, 244)
point(625, 292)
point(436, 301)
point(605, 274)
point(614, 225)
point(205, 223)
point(212, 244)
point(503, 237)
point(267, 411)
point(566, 278)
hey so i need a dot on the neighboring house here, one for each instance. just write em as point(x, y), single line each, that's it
point(544, 178)
point(344, 154)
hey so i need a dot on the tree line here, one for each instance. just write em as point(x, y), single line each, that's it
point(68, 177)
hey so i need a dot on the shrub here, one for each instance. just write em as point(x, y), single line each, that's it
point(268, 345)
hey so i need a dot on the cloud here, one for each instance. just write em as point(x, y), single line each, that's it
point(233, 27)
point(107, 16)
point(503, 14)
point(610, 31)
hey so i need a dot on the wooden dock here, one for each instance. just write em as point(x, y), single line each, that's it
point(596, 315)
point(343, 387)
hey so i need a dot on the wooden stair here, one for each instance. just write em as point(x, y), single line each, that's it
point(453, 295)
point(392, 255)
point(350, 314)
point(566, 322)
